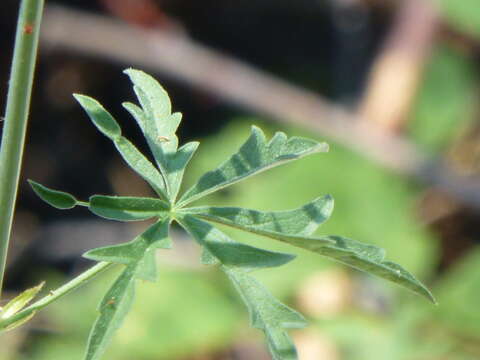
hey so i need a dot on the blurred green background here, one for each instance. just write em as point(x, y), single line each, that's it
point(333, 48)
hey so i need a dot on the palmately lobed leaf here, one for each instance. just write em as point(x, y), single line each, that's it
point(254, 156)
point(295, 227)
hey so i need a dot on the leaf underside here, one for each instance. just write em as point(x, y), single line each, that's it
point(159, 125)
point(279, 225)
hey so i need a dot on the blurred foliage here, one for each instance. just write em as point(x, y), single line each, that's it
point(459, 292)
point(154, 329)
point(444, 104)
point(463, 15)
point(414, 331)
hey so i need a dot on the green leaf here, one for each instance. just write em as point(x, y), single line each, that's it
point(59, 199)
point(268, 314)
point(289, 226)
point(19, 302)
point(121, 254)
point(114, 307)
point(370, 259)
point(155, 118)
point(450, 76)
point(177, 164)
point(142, 166)
point(147, 266)
point(295, 227)
point(229, 252)
point(139, 257)
point(278, 225)
point(254, 156)
point(102, 119)
point(23, 318)
point(124, 208)
point(154, 99)
point(159, 127)
point(155, 237)
point(458, 292)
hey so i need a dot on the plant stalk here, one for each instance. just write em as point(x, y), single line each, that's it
point(16, 114)
point(56, 294)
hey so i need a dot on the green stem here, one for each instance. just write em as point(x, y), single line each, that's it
point(18, 103)
point(56, 294)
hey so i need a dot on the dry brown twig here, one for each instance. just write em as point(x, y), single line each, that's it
point(396, 72)
point(181, 58)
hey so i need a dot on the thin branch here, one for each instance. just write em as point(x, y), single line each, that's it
point(53, 295)
point(181, 58)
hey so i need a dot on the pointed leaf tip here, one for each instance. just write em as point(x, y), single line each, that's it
point(15, 305)
point(371, 259)
point(20, 301)
point(154, 98)
point(100, 117)
point(58, 199)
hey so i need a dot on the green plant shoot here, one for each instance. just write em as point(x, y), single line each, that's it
point(237, 260)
